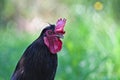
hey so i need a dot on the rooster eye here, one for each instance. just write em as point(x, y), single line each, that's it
point(50, 32)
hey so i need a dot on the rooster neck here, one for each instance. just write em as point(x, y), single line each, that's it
point(39, 49)
point(37, 62)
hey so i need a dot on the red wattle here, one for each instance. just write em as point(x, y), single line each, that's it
point(54, 44)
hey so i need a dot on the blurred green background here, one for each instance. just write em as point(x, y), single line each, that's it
point(91, 49)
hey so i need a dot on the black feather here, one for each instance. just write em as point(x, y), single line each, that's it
point(37, 62)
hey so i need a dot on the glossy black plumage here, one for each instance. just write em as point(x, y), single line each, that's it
point(37, 62)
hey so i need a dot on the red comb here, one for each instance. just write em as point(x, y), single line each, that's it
point(60, 25)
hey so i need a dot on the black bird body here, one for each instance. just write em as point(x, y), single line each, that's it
point(37, 63)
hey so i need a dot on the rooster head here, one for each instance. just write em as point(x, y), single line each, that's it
point(52, 35)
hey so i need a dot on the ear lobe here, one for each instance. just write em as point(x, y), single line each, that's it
point(46, 41)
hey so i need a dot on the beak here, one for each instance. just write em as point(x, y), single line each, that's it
point(60, 36)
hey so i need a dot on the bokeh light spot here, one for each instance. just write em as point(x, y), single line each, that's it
point(98, 6)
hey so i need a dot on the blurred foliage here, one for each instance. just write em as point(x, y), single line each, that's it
point(91, 49)
point(116, 10)
point(11, 46)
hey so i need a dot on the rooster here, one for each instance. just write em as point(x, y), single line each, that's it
point(39, 61)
